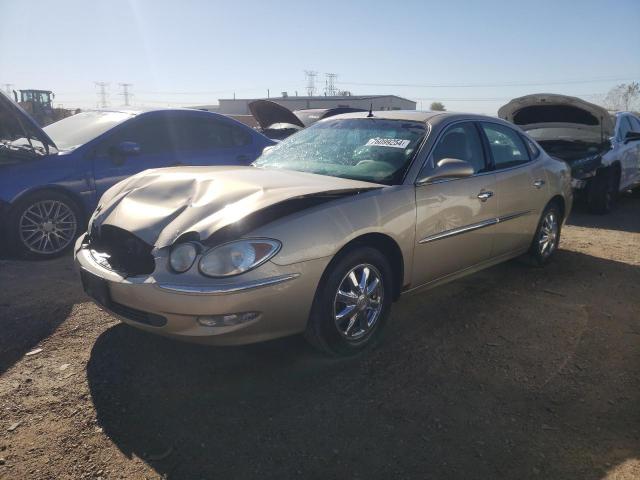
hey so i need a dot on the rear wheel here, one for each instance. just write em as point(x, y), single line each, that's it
point(547, 237)
point(44, 225)
point(352, 303)
point(603, 191)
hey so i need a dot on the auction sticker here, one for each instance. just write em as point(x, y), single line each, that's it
point(388, 142)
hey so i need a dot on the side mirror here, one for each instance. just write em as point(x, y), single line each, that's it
point(126, 149)
point(448, 168)
point(631, 136)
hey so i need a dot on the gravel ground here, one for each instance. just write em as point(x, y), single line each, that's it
point(514, 372)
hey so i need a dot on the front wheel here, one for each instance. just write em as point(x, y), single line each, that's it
point(547, 237)
point(352, 303)
point(44, 225)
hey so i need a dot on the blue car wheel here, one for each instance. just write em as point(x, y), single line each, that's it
point(44, 224)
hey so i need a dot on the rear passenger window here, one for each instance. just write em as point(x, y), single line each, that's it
point(461, 141)
point(533, 150)
point(507, 147)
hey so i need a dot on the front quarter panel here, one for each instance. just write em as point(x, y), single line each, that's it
point(323, 230)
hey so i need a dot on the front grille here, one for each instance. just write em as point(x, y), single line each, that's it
point(119, 250)
point(137, 315)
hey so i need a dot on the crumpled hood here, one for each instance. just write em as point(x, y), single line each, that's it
point(158, 206)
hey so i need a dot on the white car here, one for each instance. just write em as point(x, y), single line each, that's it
point(602, 149)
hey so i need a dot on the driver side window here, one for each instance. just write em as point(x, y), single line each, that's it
point(461, 141)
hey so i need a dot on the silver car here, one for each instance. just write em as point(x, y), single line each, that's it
point(324, 231)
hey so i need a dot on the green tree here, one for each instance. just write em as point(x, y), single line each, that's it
point(438, 107)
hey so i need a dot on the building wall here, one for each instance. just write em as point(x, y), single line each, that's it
point(387, 102)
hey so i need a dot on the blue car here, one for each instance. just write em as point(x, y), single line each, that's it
point(51, 178)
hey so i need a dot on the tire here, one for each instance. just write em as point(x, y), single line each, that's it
point(549, 228)
point(44, 225)
point(603, 191)
point(360, 328)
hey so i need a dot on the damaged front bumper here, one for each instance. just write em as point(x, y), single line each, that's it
point(269, 302)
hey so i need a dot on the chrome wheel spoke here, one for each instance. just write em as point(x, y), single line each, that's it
point(348, 298)
point(548, 234)
point(358, 302)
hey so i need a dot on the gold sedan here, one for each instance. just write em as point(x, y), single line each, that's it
point(324, 231)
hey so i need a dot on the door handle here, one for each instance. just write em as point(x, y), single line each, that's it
point(485, 195)
point(538, 183)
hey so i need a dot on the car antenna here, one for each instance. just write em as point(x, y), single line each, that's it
point(370, 111)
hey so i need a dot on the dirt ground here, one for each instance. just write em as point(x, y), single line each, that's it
point(514, 372)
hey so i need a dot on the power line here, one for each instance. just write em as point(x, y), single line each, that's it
point(488, 85)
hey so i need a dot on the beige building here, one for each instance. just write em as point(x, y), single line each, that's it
point(240, 106)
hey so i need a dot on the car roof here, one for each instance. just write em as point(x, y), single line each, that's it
point(139, 110)
point(417, 116)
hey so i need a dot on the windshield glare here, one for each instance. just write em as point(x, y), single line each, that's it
point(78, 129)
point(368, 149)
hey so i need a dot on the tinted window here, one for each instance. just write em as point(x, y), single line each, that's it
point(625, 127)
point(533, 150)
point(153, 134)
point(199, 133)
point(462, 142)
point(507, 147)
point(635, 124)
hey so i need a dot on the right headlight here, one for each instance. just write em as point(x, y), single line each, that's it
point(237, 257)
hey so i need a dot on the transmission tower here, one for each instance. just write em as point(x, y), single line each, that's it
point(103, 94)
point(330, 89)
point(126, 93)
point(311, 82)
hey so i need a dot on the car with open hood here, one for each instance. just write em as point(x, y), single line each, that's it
point(603, 149)
point(324, 231)
point(51, 178)
point(278, 122)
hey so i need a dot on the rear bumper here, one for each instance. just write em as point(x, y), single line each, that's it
point(174, 308)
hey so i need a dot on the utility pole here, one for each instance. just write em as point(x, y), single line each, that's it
point(330, 89)
point(103, 95)
point(311, 82)
point(126, 93)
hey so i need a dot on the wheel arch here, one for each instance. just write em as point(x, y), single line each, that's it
point(561, 203)
point(387, 246)
point(76, 198)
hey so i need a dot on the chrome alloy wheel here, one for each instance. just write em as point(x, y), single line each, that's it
point(48, 226)
point(548, 236)
point(358, 302)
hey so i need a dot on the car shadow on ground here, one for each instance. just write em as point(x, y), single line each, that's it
point(507, 373)
point(36, 307)
point(626, 216)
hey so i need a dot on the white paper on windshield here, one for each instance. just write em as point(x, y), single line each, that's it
point(388, 142)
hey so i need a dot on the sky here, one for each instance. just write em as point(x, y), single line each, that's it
point(472, 56)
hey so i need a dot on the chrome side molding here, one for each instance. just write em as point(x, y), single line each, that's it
point(473, 226)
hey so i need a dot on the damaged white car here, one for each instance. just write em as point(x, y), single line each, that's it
point(602, 149)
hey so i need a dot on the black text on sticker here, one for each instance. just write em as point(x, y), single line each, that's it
point(388, 142)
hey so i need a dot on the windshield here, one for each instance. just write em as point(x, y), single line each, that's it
point(78, 129)
point(368, 149)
